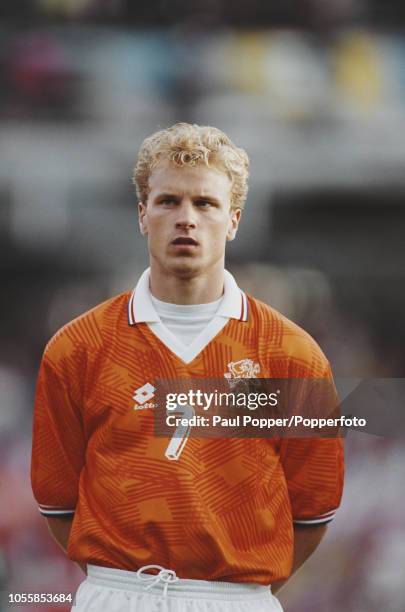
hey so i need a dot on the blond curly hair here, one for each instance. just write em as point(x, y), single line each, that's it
point(191, 144)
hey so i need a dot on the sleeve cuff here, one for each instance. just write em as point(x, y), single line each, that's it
point(321, 519)
point(56, 510)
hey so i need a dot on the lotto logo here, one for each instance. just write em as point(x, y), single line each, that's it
point(143, 394)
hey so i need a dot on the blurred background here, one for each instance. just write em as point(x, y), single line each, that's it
point(314, 90)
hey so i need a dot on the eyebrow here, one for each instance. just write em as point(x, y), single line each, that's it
point(159, 196)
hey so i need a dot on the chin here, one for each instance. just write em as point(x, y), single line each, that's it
point(184, 268)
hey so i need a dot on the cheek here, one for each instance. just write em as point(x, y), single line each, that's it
point(218, 234)
point(156, 225)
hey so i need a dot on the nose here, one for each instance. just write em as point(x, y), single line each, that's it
point(186, 217)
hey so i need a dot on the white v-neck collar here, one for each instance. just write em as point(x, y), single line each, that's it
point(190, 352)
point(142, 310)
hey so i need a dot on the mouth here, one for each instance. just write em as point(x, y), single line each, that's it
point(184, 241)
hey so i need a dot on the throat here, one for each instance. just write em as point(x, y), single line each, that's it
point(186, 286)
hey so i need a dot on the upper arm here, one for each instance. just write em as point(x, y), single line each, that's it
point(306, 541)
point(314, 466)
point(313, 469)
point(60, 529)
point(58, 447)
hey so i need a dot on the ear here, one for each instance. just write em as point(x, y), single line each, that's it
point(143, 218)
point(234, 218)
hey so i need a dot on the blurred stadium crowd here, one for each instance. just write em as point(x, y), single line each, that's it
point(315, 91)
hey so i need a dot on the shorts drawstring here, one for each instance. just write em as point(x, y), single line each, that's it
point(166, 576)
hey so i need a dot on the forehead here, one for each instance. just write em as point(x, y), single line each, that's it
point(193, 180)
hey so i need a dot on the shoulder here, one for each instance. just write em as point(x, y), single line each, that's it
point(281, 336)
point(90, 331)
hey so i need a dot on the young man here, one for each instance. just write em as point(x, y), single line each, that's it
point(210, 525)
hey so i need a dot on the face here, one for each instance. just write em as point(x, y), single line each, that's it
point(188, 218)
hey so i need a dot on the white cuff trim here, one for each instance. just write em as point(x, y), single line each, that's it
point(55, 511)
point(318, 520)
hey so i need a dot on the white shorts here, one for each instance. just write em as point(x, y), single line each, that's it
point(113, 590)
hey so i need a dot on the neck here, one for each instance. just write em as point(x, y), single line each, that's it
point(202, 288)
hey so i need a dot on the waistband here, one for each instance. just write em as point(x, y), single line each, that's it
point(166, 582)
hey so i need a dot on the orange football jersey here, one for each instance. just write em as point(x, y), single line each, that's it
point(225, 509)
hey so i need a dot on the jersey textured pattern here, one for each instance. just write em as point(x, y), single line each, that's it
point(225, 510)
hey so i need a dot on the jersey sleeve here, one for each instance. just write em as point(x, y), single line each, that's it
point(314, 473)
point(58, 442)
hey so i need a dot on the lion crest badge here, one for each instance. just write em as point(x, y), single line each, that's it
point(245, 368)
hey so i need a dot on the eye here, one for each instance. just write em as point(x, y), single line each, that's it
point(167, 201)
point(203, 203)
